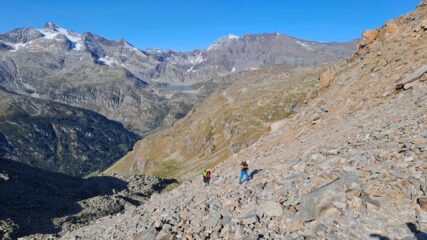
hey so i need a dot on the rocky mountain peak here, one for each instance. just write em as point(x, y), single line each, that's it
point(50, 26)
point(223, 40)
point(123, 42)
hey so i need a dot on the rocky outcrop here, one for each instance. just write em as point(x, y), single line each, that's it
point(369, 37)
point(20, 35)
point(411, 79)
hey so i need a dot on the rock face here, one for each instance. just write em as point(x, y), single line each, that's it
point(58, 137)
point(359, 172)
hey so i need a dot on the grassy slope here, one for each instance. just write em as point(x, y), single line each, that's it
point(228, 121)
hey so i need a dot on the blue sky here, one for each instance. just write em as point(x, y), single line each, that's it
point(191, 24)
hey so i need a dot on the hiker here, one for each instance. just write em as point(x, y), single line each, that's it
point(244, 171)
point(206, 177)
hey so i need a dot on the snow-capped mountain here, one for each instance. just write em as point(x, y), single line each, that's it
point(127, 84)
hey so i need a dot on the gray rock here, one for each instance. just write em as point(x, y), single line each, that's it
point(250, 219)
point(149, 234)
point(399, 174)
point(330, 151)
point(322, 198)
point(214, 218)
point(165, 235)
point(270, 209)
point(225, 220)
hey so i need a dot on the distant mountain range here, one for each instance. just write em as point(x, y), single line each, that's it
point(138, 87)
point(145, 90)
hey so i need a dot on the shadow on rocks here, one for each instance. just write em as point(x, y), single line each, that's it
point(32, 197)
point(417, 235)
point(254, 172)
point(162, 184)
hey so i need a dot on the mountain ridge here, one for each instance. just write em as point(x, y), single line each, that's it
point(75, 65)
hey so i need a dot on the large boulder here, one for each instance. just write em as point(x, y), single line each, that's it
point(332, 195)
point(369, 37)
point(270, 209)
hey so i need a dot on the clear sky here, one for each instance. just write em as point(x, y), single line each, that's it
point(190, 24)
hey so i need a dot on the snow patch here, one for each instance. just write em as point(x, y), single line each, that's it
point(48, 34)
point(107, 60)
point(75, 38)
point(17, 46)
point(192, 60)
point(232, 36)
point(156, 50)
point(31, 88)
point(199, 59)
point(304, 45)
point(35, 95)
point(28, 86)
point(191, 69)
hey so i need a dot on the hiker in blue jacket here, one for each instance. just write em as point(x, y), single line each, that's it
point(244, 171)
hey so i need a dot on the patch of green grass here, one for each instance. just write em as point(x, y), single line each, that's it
point(275, 116)
point(166, 169)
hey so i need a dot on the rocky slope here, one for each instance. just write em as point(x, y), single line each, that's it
point(225, 123)
point(352, 164)
point(139, 88)
point(58, 202)
point(58, 137)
